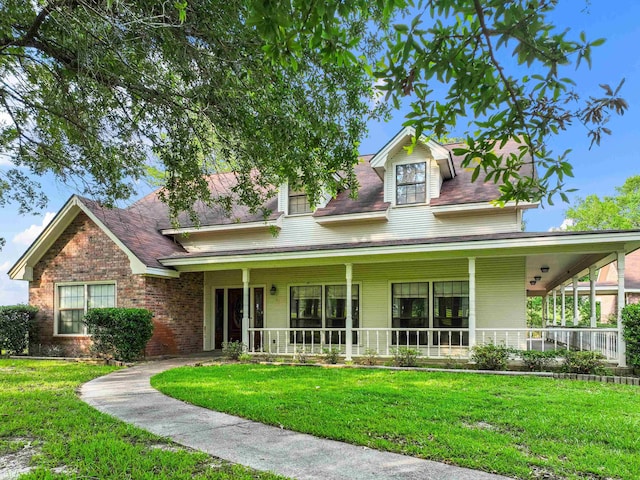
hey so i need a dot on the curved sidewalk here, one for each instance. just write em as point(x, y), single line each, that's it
point(127, 394)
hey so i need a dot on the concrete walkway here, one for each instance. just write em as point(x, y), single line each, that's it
point(128, 395)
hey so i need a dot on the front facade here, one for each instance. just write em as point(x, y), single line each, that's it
point(421, 258)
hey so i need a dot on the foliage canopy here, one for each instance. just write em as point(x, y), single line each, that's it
point(95, 91)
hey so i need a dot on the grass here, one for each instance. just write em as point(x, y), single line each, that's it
point(517, 426)
point(40, 412)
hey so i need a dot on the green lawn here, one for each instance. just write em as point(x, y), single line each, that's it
point(39, 409)
point(517, 426)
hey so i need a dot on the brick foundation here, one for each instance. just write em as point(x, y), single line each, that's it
point(84, 253)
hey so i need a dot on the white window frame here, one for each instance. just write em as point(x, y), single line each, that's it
point(297, 193)
point(56, 309)
point(394, 179)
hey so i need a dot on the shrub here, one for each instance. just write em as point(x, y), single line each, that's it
point(585, 362)
point(119, 333)
point(301, 355)
point(370, 356)
point(331, 355)
point(17, 327)
point(245, 358)
point(490, 356)
point(232, 350)
point(405, 357)
point(536, 361)
point(631, 333)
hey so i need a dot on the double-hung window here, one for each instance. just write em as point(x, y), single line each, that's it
point(306, 312)
point(298, 203)
point(451, 310)
point(411, 183)
point(74, 301)
point(410, 310)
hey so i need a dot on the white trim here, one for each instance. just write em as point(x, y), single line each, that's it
point(427, 183)
point(56, 303)
point(533, 244)
point(354, 217)
point(444, 210)
point(277, 223)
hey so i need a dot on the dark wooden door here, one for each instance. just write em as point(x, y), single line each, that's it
point(234, 314)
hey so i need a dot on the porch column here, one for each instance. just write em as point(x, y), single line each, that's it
point(555, 307)
point(592, 295)
point(622, 347)
point(245, 307)
point(545, 310)
point(563, 316)
point(472, 302)
point(576, 314)
point(349, 314)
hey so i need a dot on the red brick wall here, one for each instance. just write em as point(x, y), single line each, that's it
point(84, 253)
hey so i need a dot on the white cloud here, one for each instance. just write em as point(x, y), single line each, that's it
point(12, 292)
point(26, 237)
point(566, 223)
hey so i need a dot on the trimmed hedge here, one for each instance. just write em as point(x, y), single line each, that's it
point(17, 327)
point(631, 333)
point(119, 333)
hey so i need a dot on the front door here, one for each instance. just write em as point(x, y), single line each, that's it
point(234, 315)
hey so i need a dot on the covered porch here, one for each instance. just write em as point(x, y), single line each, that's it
point(440, 298)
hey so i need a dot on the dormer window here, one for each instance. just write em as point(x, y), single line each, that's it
point(411, 184)
point(298, 203)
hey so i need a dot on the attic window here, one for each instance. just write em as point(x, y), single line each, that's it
point(411, 185)
point(298, 203)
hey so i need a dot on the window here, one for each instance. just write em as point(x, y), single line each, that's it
point(336, 308)
point(298, 203)
point(306, 311)
point(451, 310)
point(410, 309)
point(411, 186)
point(75, 300)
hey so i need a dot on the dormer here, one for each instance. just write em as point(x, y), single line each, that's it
point(294, 201)
point(412, 178)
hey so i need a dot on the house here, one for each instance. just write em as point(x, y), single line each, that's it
point(421, 258)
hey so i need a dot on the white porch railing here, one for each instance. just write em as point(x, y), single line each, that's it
point(431, 342)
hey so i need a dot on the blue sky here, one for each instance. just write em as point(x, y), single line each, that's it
point(596, 171)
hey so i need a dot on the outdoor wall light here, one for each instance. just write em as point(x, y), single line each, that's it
point(273, 290)
point(544, 269)
point(532, 282)
point(537, 278)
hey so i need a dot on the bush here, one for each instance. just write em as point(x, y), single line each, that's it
point(245, 358)
point(331, 355)
point(17, 328)
point(490, 356)
point(301, 355)
point(405, 357)
point(631, 333)
point(232, 350)
point(536, 361)
point(370, 356)
point(585, 362)
point(119, 333)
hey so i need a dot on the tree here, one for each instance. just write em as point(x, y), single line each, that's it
point(617, 212)
point(95, 90)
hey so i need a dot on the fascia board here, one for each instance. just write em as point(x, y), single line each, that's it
point(226, 227)
point(354, 217)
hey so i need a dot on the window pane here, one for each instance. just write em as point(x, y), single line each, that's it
point(336, 296)
point(102, 296)
point(410, 306)
point(71, 296)
point(71, 321)
point(411, 183)
point(306, 307)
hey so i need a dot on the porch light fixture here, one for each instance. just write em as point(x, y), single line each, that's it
point(273, 290)
point(532, 282)
point(544, 269)
point(537, 278)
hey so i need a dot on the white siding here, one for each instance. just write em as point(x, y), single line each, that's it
point(415, 221)
point(500, 297)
